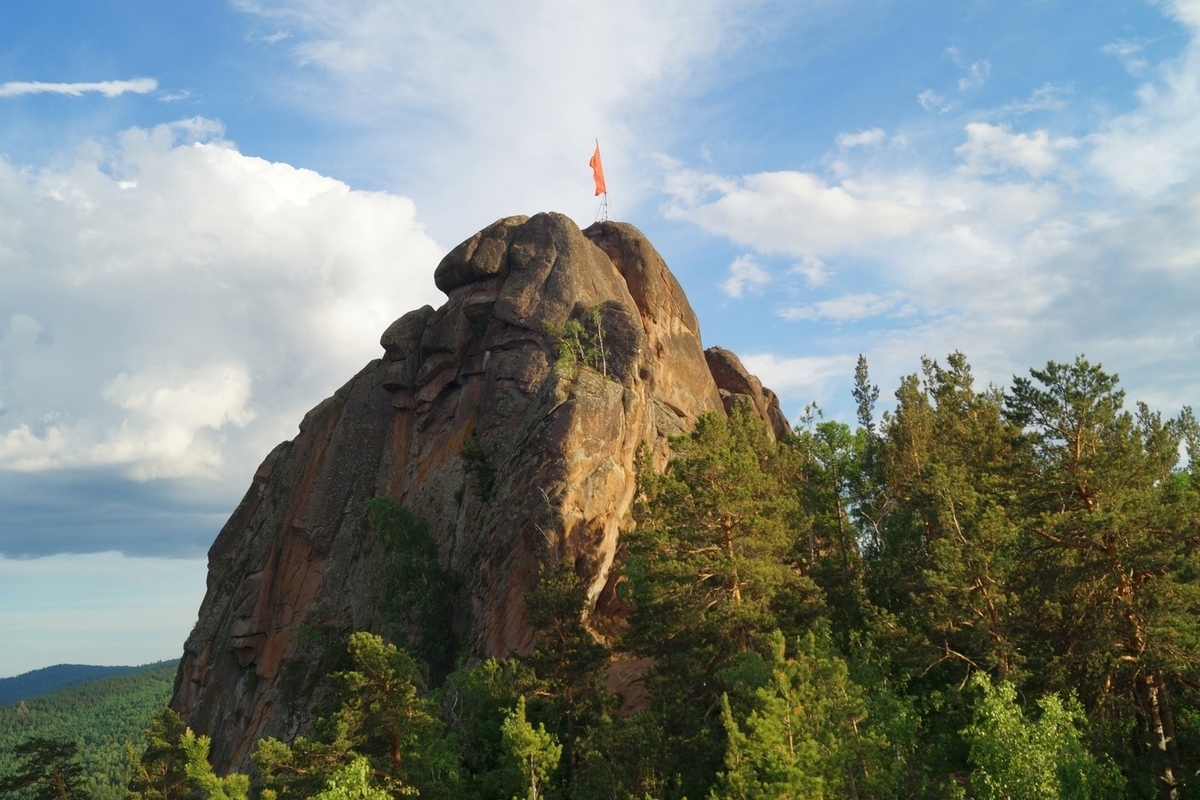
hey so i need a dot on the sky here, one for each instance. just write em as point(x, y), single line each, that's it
point(209, 211)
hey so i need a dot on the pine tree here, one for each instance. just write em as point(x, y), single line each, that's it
point(713, 564)
point(802, 740)
point(1112, 554)
point(161, 772)
point(48, 769)
point(714, 567)
point(535, 751)
point(943, 560)
point(383, 717)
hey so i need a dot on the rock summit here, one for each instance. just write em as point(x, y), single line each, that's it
point(558, 355)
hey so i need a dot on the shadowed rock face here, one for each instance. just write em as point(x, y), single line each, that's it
point(298, 555)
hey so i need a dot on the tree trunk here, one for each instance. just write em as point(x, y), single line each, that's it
point(1159, 728)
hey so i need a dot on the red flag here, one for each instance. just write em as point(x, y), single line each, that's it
point(597, 171)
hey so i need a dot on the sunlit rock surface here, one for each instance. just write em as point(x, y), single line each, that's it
point(298, 556)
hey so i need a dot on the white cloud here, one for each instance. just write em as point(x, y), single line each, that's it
point(1017, 247)
point(1186, 12)
point(796, 213)
point(799, 380)
point(932, 101)
point(745, 275)
point(847, 308)
point(977, 74)
point(814, 270)
point(168, 432)
point(1157, 145)
point(992, 148)
point(106, 88)
point(175, 306)
point(1047, 97)
point(1129, 53)
point(868, 138)
point(511, 96)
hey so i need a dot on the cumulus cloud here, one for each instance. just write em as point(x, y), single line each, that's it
point(814, 270)
point(106, 88)
point(171, 306)
point(1016, 246)
point(932, 101)
point(1157, 145)
point(1129, 53)
point(1047, 97)
point(511, 96)
point(994, 148)
point(847, 308)
point(795, 213)
point(977, 74)
point(868, 138)
point(745, 275)
point(799, 381)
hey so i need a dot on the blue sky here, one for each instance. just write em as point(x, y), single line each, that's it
point(209, 211)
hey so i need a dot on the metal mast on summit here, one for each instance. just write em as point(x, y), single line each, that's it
point(601, 189)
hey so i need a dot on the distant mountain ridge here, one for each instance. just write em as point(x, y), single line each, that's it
point(105, 717)
point(60, 676)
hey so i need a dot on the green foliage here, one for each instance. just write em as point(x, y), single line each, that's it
point(535, 752)
point(355, 781)
point(713, 569)
point(948, 544)
point(802, 739)
point(570, 663)
point(830, 491)
point(580, 341)
point(47, 769)
point(161, 771)
point(1114, 541)
point(712, 565)
point(1019, 759)
point(50, 679)
point(475, 701)
point(853, 612)
point(207, 784)
point(383, 717)
point(477, 461)
point(105, 718)
point(417, 592)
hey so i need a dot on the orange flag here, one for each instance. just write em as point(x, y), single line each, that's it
point(597, 171)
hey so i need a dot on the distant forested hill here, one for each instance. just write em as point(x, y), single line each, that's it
point(101, 716)
point(49, 679)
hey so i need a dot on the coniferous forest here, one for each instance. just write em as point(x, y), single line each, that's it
point(98, 722)
point(982, 592)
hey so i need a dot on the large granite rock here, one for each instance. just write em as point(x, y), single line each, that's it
point(297, 555)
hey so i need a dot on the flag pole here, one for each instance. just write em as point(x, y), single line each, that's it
point(601, 188)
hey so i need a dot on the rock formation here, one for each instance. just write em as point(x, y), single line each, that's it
point(558, 354)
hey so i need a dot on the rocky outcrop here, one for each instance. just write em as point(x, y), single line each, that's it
point(558, 354)
point(736, 385)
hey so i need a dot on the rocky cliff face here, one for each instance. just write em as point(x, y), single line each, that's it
point(560, 436)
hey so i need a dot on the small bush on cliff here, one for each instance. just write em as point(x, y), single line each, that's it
point(477, 461)
point(417, 592)
point(580, 341)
